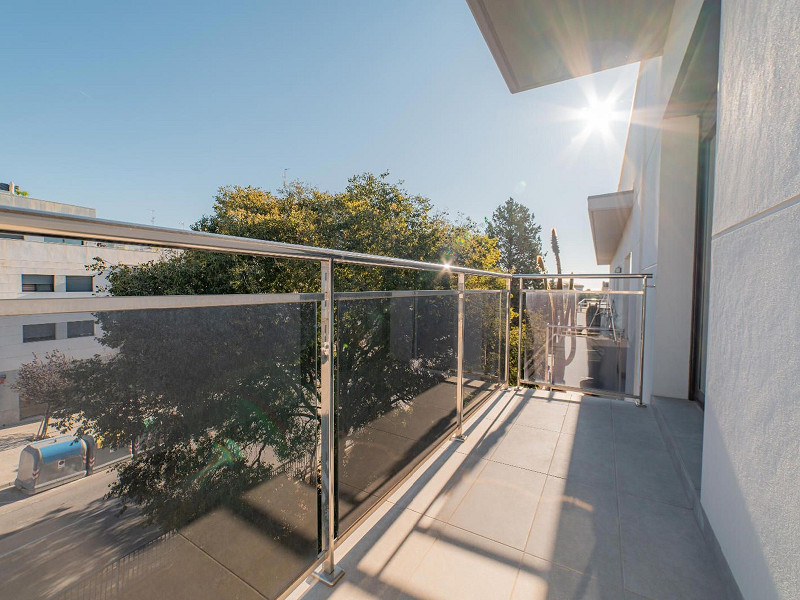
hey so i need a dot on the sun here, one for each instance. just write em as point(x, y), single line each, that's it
point(598, 115)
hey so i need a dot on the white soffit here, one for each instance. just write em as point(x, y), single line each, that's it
point(608, 215)
point(538, 42)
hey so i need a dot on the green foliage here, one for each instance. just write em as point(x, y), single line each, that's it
point(44, 381)
point(518, 237)
point(371, 216)
point(228, 395)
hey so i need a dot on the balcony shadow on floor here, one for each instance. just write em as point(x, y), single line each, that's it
point(532, 506)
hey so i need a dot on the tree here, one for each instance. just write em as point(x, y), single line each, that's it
point(229, 394)
point(518, 237)
point(372, 215)
point(44, 382)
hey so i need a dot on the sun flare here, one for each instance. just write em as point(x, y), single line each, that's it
point(599, 114)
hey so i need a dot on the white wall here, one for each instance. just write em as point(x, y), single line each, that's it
point(640, 172)
point(676, 230)
point(33, 255)
point(751, 458)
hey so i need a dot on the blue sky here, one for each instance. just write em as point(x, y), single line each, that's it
point(151, 106)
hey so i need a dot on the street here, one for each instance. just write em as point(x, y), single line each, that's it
point(53, 539)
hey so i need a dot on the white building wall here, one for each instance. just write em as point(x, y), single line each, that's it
point(640, 173)
point(751, 458)
point(672, 319)
point(34, 256)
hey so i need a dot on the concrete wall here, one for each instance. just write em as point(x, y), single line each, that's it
point(33, 255)
point(751, 459)
point(660, 210)
point(681, 26)
point(640, 172)
point(676, 224)
point(7, 199)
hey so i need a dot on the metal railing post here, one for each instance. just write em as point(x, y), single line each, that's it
point(640, 401)
point(506, 373)
point(459, 434)
point(500, 338)
point(520, 358)
point(329, 572)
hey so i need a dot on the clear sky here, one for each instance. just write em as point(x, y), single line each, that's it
point(133, 107)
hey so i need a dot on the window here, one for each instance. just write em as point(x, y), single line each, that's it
point(80, 283)
point(58, 240)
point(37, 283)
point(40, 332)
point(80, 329)
point(12, 236)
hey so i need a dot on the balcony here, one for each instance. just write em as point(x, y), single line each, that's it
point(368, 438)
point(552, 495)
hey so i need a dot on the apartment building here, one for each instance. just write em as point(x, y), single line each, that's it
point(33, 267)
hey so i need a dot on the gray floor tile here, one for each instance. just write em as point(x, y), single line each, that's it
point(542, 414)
point(626, 407)
point(584, 459)
point(461, 564)
point(438, 488)
point(501, 504)
point(589, 420)
point(527, 448)
point(541, 580)
point(635, 432)
point(570, 520)
point(684, 418)
point(663, 552)
point(650, 474)
point(690, 451)
point(576, 526)
point(484, 430)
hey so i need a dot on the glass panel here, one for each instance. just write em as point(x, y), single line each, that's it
point(207, 418)
point(80, 328)
point(80, 283)
point(583, 339)
point(396, 393)
point(37, 283)
point(484, 344)
point(38, 332)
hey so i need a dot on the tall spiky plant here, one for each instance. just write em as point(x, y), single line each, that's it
point(554, 246)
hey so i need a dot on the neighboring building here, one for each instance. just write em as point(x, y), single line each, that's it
point(44, 267)
point(709, 204)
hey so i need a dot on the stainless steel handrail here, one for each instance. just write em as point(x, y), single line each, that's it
point(582, 276)
point(90, 304)
point(34, 222)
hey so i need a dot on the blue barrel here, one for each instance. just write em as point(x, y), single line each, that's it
point(51, 462)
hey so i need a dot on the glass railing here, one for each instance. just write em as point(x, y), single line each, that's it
point(484, 344)
point(584, 340)
point(396, 389)
point(201, 419)
point(222, 444)
point(211, 440)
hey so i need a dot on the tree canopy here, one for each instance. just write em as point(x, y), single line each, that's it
point(227, 396)
point(518, 237)
point(372, 215)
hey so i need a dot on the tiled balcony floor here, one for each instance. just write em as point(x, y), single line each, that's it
point(551, 496)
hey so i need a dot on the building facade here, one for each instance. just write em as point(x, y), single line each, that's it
point(708, 203)
point(35, 267)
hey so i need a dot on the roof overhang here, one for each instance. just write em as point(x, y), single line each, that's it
point(608, 215)
point(538, 42)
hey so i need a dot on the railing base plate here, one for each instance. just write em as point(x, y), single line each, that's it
point(329, 579)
